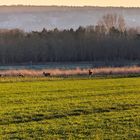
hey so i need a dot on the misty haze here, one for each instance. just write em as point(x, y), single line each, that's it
point(31, 18)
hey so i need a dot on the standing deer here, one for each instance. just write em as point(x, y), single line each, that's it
point(89, 72)
point(46, 74)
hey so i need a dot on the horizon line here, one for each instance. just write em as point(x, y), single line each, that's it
point(70, 6)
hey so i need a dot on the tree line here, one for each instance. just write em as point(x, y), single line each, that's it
point(109, 40)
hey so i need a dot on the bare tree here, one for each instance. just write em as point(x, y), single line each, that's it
point(121, 24)
point(112, 20)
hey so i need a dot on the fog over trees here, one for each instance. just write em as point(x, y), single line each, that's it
point(110, 40)
point(35, 18)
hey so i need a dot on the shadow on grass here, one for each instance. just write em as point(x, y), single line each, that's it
point(22, 118)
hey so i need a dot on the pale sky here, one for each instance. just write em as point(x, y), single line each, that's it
point(126, 3)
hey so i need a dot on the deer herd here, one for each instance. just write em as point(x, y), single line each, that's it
point(45, 74)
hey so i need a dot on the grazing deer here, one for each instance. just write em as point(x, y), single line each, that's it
point(21, 75)
point(89, 72)
point(46, 74)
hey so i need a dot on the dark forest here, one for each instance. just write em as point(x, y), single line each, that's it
point(110, 40)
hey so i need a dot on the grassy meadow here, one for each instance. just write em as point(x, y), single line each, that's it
point(69, 108)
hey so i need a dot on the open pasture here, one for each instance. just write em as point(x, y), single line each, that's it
point(69, 108)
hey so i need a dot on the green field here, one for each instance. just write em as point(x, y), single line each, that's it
point(70, 108)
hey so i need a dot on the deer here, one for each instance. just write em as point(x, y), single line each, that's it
point(46, 74)
point(89, 72)
point(21, 75)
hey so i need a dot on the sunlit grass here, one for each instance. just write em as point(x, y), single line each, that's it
point(71, 108)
